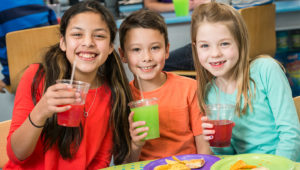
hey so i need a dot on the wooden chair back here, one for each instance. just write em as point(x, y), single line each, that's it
point(4, 129)
point(25, 47)
point(260, 21)
point(297, 104)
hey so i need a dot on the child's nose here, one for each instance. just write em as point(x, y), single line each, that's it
point(147, 57)
point(216, 52)
point(88, 41)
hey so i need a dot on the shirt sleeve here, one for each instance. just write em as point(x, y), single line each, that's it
point(103, 157)
point(194, 110)
point(282, 105)
point(23, 105)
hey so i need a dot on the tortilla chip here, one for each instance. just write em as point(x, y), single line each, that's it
point(170, 161)
point(162, 167)
point(177, 164)
point(194, 163)
point(240, 164)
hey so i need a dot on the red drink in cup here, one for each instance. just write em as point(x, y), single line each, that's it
point(73, 116)
point(224, 129)
point(220, 115)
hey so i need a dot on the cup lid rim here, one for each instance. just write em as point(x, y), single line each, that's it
point(78, 82)
point(136, 102)
point(219, 106)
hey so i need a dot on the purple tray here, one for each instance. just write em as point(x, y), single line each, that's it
point(209, 161)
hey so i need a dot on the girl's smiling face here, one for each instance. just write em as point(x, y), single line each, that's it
point(87, 40)
point(217, 49)
point(145, 52)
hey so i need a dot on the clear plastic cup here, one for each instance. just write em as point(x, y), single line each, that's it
point(221, 116)
point(73, 116)
point(147, 110)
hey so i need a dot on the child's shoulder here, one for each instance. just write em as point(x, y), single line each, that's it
point(31, 69)
point(265, 63)
point(265, 67)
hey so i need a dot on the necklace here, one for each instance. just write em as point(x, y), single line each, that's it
point(85, 114)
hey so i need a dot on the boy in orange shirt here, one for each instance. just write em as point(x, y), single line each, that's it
point(144, 46)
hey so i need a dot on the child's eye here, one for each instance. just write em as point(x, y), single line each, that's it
point(135, 49)
point(76, 34)
point(203, 45)
point(99, 36)
point(225, 43)
point(155, 48)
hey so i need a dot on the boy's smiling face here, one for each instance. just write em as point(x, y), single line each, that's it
point(145, 52)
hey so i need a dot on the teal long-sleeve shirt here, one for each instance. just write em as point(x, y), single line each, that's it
point(273, 125)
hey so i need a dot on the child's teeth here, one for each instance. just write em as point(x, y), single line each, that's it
point(87, 55)
point(218, 63)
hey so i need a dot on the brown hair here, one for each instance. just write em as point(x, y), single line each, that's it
point(143, 18)
point(55, 66)
point(225, 14)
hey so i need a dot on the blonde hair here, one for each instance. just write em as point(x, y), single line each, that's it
point(221, 13)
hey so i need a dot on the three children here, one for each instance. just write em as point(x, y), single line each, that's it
point(265, 119)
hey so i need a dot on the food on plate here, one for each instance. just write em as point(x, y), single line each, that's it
point(162, 167)
point(177, 164)
point(240, 164)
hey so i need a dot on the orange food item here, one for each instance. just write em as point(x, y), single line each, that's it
point(181, 164)
point(240, 164)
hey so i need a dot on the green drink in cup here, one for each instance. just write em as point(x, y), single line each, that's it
point(181, 7)
point(147, 110)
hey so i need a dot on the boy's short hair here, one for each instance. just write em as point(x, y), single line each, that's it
point(143, 18)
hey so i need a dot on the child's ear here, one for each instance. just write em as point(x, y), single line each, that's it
point(62, 43)
point(167, 51)
point(122, 55)
point(111, 48)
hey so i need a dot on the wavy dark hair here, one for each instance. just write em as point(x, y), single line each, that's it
point(55, 65)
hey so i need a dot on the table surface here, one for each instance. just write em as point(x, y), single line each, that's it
point(140, 165)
